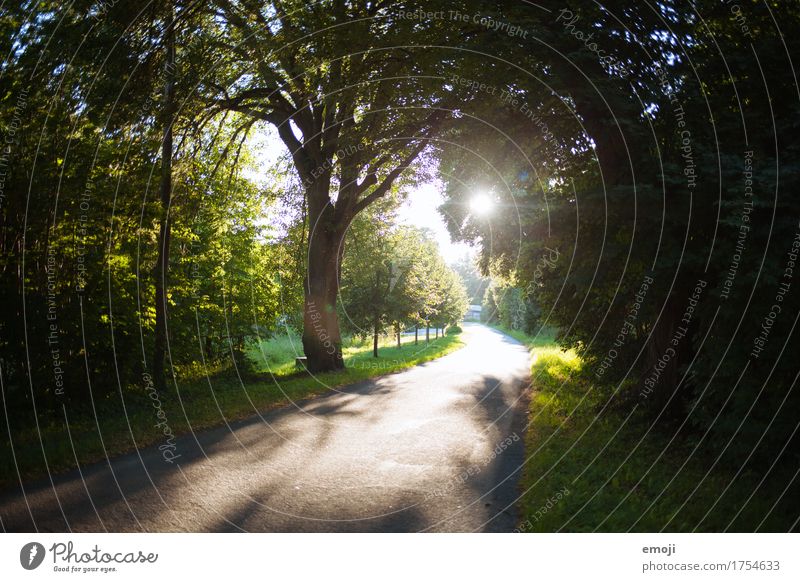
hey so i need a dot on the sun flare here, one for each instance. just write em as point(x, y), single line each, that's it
point(482, 204)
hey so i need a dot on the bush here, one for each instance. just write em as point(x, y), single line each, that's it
point(454, 329)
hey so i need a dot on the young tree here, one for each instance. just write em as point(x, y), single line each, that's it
point(455, 300)
point(367, 276)
point(382, 287)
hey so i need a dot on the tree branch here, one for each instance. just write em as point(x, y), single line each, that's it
point(389, 180)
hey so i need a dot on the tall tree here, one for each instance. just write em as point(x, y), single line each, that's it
point(165, 196)
point(352, 92)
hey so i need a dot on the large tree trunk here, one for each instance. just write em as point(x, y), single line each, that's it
point(162, 262)
point(322, 342)
point(604, 108)
point(668, 350)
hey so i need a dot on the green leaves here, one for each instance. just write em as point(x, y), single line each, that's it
point(394, 277)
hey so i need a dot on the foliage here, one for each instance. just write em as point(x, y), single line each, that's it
point(474, 283)
point(637, 197)
point(635, 479)
point(510, 307)
point(394, 278)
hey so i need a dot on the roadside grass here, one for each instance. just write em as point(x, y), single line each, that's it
point(129, 420)
point(277, 355)
point(592, 467)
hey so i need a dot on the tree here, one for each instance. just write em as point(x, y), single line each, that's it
point(641, 180)
point(454, 303)
point(353, 110)
point(368, 278)
point(394, 277)
point(474, 282)
point(384, 284)
point(88, 137)
point(161, 273)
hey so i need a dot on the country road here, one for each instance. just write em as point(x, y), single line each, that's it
point(434, 448)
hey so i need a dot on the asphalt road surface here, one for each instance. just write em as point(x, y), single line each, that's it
point(435, 448)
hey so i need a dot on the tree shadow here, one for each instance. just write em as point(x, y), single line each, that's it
point(122, 489)
point(213, 480)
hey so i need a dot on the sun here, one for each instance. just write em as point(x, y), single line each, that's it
point(481, 204)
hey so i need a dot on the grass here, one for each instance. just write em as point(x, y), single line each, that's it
point(277, 355)
point(196, 402)
point(593, 468)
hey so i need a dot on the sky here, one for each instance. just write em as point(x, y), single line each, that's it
point(420, 207)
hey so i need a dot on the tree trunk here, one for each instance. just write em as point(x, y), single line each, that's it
point(162, 262)
point(397, 332)
point(437, 332)
point(375, 331)
point(427, 332)
point(322, 342)
point(605, 129)
point(416, 334)
point(664, 359)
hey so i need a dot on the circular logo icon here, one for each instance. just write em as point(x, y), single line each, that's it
point(31, 555)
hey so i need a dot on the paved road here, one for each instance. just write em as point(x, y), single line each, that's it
point(434, 448)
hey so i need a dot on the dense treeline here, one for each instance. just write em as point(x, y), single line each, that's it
point(105, 247)
point(644, 161)
point(394, 279)
point(655, 221)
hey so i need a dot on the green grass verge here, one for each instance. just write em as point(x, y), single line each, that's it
point(196, 403)
point(277, 355)
point(589, 470)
